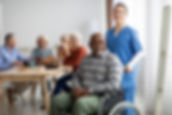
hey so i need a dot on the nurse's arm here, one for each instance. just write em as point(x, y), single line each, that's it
point(135, 59)
point(137, 49)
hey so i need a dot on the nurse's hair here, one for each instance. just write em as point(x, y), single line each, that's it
point(120, 4)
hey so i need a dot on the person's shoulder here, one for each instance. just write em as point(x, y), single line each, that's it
point(83, 49)
point(131, 29)
point(36, 49)
point(110, 55)
point(87, 57)
point(110, 30)
point(1, 49)
point(49, 49)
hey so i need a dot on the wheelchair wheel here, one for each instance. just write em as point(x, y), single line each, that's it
point(119, 108)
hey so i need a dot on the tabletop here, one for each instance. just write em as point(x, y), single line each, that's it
point(36, 71)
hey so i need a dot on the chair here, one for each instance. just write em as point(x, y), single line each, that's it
point(113, 104)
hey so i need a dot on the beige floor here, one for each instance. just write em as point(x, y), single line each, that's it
point(23, 106)
point(26, 109)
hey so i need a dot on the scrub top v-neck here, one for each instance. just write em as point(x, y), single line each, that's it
point(125, 45)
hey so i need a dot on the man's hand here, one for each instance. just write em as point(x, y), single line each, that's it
point(17, 64)
point(47, 60)
point(79, 92)
point(128, 69)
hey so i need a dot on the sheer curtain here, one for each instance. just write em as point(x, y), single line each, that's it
point(167, 94)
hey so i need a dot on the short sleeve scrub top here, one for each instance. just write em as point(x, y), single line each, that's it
point(125, 45)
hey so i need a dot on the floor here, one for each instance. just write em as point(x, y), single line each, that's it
point(25, 107)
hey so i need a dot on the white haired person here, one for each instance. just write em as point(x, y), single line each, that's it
point(42, 54)
point(77, 53)
point(63, 50)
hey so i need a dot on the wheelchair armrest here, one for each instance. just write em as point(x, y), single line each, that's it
point(114, 95)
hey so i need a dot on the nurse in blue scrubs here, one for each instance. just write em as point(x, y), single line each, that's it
point(123, 41)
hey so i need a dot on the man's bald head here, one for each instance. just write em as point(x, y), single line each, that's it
point(97, 43)
point(42, 42)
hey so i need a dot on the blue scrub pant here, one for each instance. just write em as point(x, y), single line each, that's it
point(129, 96)
point(61, 85)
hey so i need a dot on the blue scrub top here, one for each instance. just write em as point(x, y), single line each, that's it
point(126, 45)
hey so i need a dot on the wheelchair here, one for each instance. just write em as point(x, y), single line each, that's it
point(113, 103)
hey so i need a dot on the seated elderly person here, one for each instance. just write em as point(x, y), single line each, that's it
point(63, 51)
point(73, 49)
point(76, 53)
point(10, 57)
point(42, 54)
point(98, 73)
point(9, 54)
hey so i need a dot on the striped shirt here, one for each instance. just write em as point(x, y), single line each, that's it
point(98, 74)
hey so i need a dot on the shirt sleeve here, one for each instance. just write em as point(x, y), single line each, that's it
point(75, 82)
point(33, 54)
point(3, 64)
point(76, 62)
point(114, 74)
point(136, 48)
point(50, 52)
point(20, 57)
point(135, 43)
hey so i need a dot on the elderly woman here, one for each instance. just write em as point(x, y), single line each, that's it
point(63, 50)
point(76, 53)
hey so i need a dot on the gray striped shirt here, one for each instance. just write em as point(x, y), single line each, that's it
point(98, 74)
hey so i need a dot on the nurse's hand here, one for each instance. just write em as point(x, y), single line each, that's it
point(128, 69)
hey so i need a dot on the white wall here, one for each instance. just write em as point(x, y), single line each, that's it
point(29, 18)
point(1, 24)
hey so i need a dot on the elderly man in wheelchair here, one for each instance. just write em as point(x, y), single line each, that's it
point(98, 75)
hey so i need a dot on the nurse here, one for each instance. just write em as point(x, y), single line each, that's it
point(123, 41)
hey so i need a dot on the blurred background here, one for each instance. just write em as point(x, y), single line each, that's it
point(151, 18)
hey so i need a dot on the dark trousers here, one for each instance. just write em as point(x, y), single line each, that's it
point(61, 84)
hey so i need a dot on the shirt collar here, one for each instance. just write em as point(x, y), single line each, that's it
point(101, 55)
point(41, 49)
point(7, 49)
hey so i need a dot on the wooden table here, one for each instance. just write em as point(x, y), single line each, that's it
point(37, 74)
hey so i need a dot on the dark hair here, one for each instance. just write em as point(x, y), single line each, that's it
point(94, 36)
point(121, 5)
point(8, 37)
